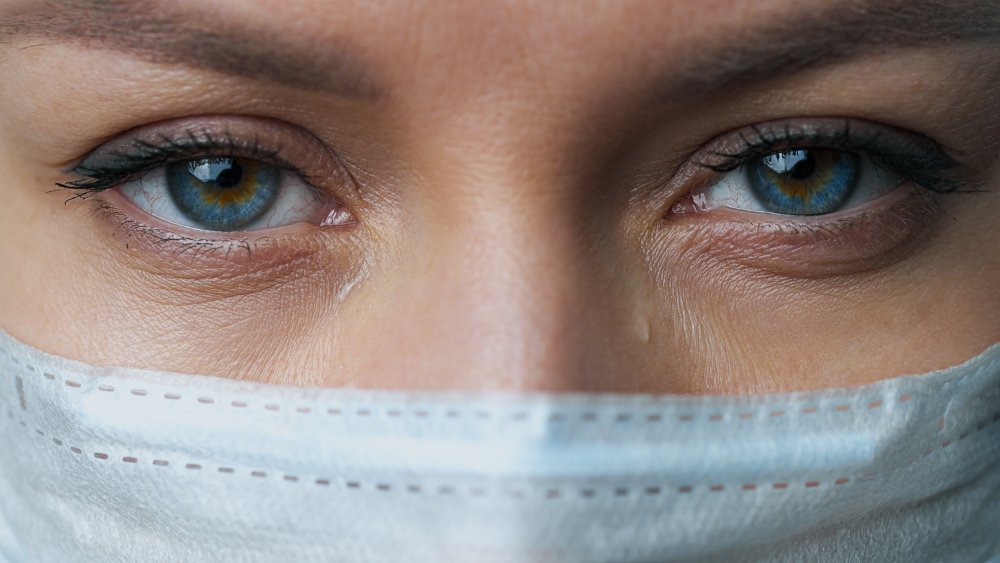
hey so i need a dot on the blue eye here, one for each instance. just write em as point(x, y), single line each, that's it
point(228, 193)
point(797, 182)
point(804, 181)
point(223, 194)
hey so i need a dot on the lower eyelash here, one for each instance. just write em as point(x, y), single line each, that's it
point(817, 249)
point(197, 271)
point(177, 244)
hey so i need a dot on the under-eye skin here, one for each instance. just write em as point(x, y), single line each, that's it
point(216, 178)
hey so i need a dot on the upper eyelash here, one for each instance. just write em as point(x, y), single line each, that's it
point(927, 165)
point(142, 156)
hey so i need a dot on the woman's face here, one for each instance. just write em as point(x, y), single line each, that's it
point(670, 197)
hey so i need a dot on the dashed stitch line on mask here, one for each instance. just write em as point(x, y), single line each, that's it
point(520, 494)
point(518, 416)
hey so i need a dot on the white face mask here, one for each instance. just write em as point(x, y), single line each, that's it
point(106, 464)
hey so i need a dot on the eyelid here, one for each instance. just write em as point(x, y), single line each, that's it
point(278, 143)
point(915, 156)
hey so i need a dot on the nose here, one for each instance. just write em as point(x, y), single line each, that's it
point(499, 290)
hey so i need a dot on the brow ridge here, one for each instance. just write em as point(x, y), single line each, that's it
point(845, 31)
point(151, 32)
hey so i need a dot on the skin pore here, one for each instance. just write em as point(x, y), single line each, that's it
point(510, 172)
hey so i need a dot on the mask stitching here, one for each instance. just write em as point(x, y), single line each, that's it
point(551, 493)
point(486, 415)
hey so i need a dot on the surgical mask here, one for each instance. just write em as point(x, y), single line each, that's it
point(110, 464)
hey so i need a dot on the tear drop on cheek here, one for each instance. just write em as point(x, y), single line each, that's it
point(642, 328)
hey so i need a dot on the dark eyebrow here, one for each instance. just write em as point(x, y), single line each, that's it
point(147, 30)
point(812, 38)
point(802, 39)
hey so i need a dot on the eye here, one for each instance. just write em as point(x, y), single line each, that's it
point(225, 193)
point(813, 167)
point(218, 174)
point(802, 181)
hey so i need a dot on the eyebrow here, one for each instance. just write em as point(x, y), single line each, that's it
point(791, 44)
point(218, 43)
point(814, 38)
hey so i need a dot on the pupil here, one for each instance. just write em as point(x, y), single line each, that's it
point(799, 164)
point(804, 168)
point(222, 172)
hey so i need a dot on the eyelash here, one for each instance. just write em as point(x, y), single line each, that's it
point(921, 161)
point(143, 156)
point(918, 159)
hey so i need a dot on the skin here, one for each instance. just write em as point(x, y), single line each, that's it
point(510, 212)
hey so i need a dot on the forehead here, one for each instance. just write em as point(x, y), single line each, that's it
point(506, 32)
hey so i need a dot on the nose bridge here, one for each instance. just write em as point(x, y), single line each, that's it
point(490, 295)
point(504, 294)
point(496, 285)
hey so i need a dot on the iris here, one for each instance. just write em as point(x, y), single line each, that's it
point(223, 193)
point(804, 181)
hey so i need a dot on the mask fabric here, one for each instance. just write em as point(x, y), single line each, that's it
point(110, 464)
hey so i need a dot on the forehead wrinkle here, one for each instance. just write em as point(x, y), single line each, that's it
point(198, 39)
point(816, 37)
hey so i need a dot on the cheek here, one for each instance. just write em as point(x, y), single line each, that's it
point(40, 294)
point(89, 288)
point(745, 330)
